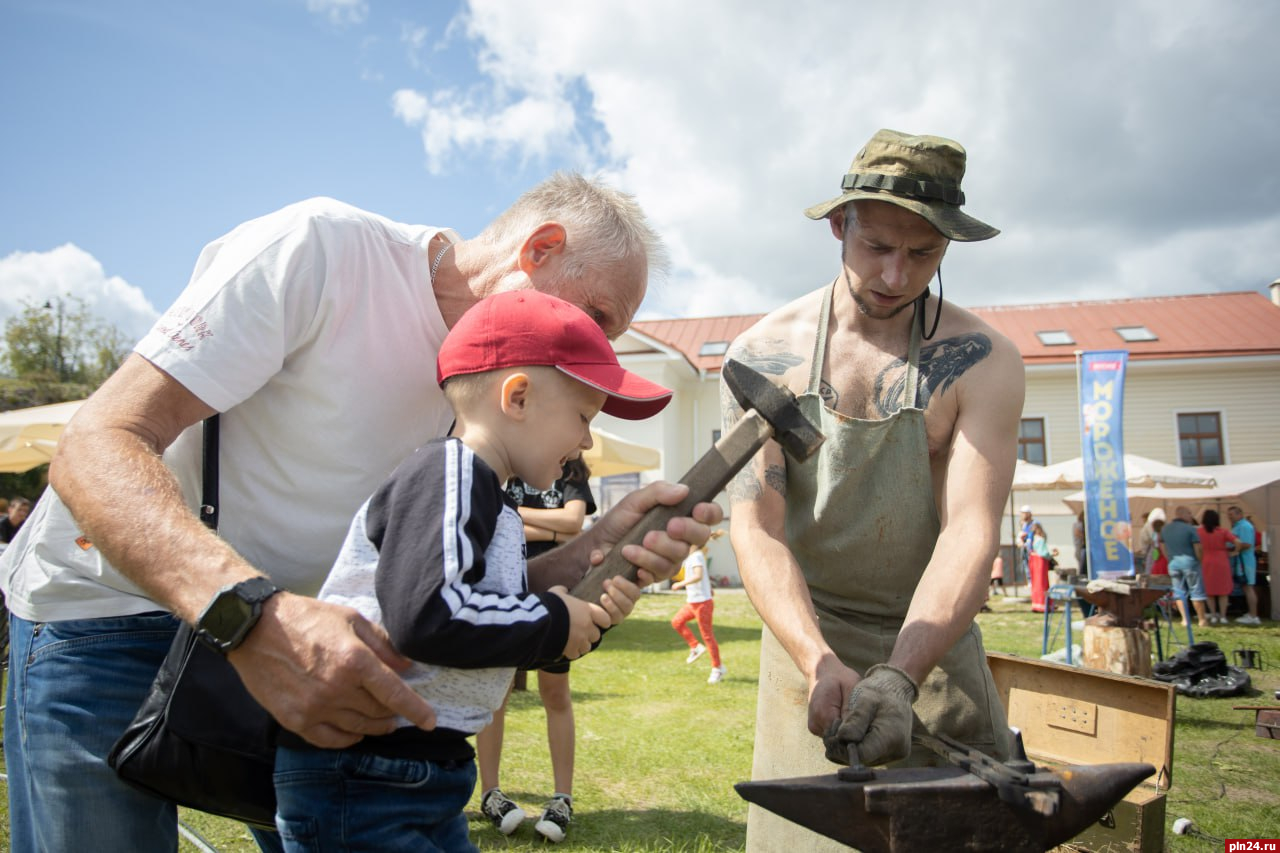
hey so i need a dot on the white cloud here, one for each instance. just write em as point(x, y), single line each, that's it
point(455, 124)
point(1119, 147)
point(37, 277)
point(340, 13)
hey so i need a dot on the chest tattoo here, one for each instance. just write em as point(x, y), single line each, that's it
point(828, 395)
point(941, 364)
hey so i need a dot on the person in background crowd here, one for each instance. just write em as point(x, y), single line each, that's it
point(1081, 547)
point(1027, 522)
point(551, 517)
point(700, 605)
point(1181, 544)
point(1246, 563)
point(1217, 545)
point(1156, 561)
point(1042, 558)
point(15, 515)
point(1142, 544)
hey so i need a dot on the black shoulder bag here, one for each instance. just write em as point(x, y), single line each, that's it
point(200, 740)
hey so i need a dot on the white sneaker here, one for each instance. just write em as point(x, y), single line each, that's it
point(1248, 620)
point(555, 820)
point(717, 673)
point(695, 653)
point(501, 811)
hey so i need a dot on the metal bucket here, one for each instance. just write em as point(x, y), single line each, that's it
point(1248, 658)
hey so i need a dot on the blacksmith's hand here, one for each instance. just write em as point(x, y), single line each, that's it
point(878, 718)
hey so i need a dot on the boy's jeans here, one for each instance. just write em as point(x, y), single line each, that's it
point(335, 800)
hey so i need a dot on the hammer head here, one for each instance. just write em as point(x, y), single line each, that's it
point(777, 405)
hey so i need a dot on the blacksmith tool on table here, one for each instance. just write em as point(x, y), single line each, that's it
point(975, 803)
point(771, 412)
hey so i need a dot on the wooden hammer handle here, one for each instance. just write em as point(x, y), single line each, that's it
point(706, 479)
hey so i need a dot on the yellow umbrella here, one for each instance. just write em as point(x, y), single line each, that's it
point(610, 455)
point(29, 436)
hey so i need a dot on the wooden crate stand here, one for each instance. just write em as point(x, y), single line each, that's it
point(1073, 716)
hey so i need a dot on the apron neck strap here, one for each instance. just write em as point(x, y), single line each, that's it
point(820, 351)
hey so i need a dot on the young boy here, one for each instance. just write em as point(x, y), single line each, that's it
point(437, 557)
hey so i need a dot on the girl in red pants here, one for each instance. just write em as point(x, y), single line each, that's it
point(699, 605)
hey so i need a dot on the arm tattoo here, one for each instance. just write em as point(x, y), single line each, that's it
point(775, 477)
point(768, 356)
point(744, 487)
point(941, 365)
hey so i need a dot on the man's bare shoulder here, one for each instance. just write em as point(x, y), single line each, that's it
point(961, 323)
point(780, 344)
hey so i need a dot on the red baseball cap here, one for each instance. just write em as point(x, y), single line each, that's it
point(522, 328)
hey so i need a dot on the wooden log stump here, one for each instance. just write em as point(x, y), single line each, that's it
point(1124, 651)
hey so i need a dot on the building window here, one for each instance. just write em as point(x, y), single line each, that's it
point(1136, 334)
point(1200, 438)
point(1056, 338)
point(1031, 441)
point(714, 348)
point(614, 489)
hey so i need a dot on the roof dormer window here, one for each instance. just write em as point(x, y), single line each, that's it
point(1136, 334)
point(1056, 338)
point(711, 348)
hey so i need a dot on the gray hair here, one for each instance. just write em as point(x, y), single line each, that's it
point(606, 226)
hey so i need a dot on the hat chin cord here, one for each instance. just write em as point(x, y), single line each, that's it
point(937, 315)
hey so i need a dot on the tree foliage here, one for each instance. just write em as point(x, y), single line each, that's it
point(54, 351)
point(60, 341)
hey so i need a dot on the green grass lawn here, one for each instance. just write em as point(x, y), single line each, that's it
point(659, 749)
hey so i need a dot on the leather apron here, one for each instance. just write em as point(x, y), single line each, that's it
point(862, 523)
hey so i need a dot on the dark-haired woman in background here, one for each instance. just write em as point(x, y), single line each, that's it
point(1218, 544)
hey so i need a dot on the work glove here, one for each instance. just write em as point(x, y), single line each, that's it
point(877, 718)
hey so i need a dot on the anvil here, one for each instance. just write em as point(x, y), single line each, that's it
point(1124, 601)
point(981, 804)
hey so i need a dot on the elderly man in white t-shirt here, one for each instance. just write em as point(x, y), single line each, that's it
point(313, 331)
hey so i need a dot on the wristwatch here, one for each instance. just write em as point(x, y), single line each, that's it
point(233, 612)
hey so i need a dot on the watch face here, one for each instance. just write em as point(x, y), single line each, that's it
point(228, 615)
point(234, 611)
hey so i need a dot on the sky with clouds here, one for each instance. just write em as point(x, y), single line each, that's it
point(1125, 149)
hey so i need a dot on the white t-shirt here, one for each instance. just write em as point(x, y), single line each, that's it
point(314, 330)
point(701, 590)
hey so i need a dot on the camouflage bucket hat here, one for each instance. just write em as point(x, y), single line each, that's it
point(919, 173)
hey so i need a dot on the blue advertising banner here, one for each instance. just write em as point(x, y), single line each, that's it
point(1106, 501)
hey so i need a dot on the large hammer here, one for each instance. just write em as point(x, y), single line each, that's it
point(771, 412)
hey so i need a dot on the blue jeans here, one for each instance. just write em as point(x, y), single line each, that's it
point(340, 800)
point(1188, 582)
point(74, 686)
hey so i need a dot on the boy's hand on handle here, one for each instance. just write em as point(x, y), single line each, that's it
point(585, 623)
point(619, 598)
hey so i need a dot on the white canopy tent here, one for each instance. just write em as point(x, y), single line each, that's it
point(29, 436)
point(610, 455)
point(1139, 472)
point(1254, 486)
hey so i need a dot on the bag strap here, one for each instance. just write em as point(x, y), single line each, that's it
point(209, 493)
